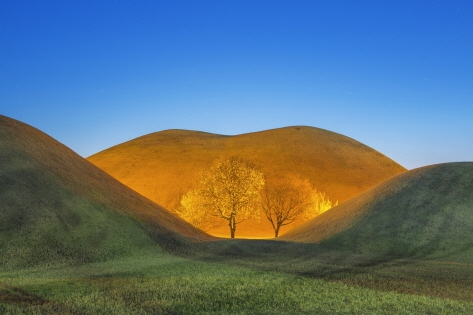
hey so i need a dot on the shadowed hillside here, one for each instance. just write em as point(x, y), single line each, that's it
point(164, 165)
point(56, 207)
point(423, 212)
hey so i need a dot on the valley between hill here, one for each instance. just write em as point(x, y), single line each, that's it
point(73, 240)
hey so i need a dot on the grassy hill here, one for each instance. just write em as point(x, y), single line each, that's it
point(56, 207)
point(164, 165)
point(426, 212)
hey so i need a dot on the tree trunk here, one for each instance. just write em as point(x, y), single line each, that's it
point(232, 225)
point(276, 232)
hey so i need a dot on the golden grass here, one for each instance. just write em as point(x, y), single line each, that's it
point(164, 165)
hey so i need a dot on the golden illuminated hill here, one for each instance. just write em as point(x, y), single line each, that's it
point(164, 165)
point(423, 212)
point(56, 207)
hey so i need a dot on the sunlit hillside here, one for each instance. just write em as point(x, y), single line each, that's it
point(426, 212)
point(74, 240)
point(164, 165)
point(55, 207)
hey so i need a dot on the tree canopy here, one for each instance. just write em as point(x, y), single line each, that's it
point(287, 198)
point(229, 189)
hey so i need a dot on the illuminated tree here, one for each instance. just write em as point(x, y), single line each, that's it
point(320, 205)
point(286, 199)
point(229, 189)
point(191, 209)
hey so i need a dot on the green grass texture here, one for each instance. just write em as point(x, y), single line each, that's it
point(57, 208)
point(166, 284)
point(426, 212)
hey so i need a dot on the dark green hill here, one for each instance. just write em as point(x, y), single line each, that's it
point(426, 212)
point(56, 207)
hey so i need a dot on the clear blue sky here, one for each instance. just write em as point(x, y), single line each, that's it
point(395, 75)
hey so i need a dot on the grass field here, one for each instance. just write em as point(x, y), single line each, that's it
point(165, 284)
point(241, 277)
point(73, 240)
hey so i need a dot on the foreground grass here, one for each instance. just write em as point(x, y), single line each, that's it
point(165, 284)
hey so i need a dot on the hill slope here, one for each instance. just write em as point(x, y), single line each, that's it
point(164, 165)
point(55, 207)
point(423, 212)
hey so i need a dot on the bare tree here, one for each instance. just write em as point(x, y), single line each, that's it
point(229, 189)
point(286, 199)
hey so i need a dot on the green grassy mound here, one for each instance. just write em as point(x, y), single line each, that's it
point(55, 207)
point(164, 165)
point(426, 212)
